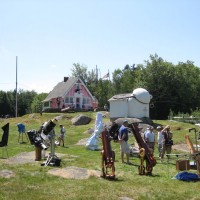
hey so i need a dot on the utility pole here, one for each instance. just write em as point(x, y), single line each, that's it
point(16, 90)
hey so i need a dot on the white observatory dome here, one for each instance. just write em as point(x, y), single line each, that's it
point(142, 95)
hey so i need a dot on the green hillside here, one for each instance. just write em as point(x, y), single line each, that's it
point(31, 180)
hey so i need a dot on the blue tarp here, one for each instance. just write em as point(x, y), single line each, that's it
point(187, 176)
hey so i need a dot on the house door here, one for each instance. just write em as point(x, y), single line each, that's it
point(77, 102)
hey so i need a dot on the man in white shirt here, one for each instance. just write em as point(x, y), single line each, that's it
point(160, 140)
point(150, 139)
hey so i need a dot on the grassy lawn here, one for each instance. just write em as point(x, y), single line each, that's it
point(31, 181)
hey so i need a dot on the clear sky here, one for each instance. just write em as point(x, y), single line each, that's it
point(48, 36)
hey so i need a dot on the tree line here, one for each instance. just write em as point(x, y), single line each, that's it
point(174, 88)
point(27, 102)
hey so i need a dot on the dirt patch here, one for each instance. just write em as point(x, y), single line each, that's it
point(7, 173)
point(74, 173)
point(89, 131)
point(181, 147)
point(82, 142)
point(125, 198)
point(22, 158)
point(25, 157)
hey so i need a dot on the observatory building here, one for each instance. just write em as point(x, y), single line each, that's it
point(131, 105)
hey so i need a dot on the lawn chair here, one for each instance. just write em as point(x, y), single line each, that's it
point(22, 131)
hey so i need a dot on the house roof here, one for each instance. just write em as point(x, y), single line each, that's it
point(61, 89)
point(120, 96)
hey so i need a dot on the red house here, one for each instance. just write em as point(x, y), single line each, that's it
point(72, 92)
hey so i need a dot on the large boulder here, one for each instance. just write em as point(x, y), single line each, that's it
point(80, 120)
point(130, 120)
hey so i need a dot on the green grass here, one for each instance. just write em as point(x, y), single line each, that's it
point(31, 181)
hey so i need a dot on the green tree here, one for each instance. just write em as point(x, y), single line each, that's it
point(117, 78)
point(36, 104)
point(159, 81)
point(173, 87)
point(25, 99)
point(79, 71)
point(187, 78)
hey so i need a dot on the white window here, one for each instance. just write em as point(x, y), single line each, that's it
point(46, 104)
point(66, 100)
point(69, 100)
point(84, 100)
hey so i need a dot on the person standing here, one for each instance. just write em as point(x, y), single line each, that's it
point(62, 135)
point(168, 142)
point(150, 138)
point(123, 140)
point(106, 107)
point(160, 140)
point(145, 133)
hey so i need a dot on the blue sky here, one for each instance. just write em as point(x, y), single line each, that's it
point(48, 36)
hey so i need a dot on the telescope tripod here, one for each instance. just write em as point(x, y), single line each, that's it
point(52, 159)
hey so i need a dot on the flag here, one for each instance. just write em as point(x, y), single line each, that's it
point(106, 76)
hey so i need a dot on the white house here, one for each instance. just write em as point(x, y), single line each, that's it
point(131, 105)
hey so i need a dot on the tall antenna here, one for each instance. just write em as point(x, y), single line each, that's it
point(16, 90)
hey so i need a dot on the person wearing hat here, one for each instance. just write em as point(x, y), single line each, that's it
point(167, 146)
point(160, 140)
point(123, 140)
point(62, 135)
point(150, 138)
point(145, 133)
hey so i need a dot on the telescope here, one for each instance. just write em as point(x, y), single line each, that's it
point(36, 139)
point(46, 135)
point(47, 127)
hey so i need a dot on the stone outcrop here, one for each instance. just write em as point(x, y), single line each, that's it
point(80, 120)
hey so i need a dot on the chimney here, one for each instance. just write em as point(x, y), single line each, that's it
point(65, 79)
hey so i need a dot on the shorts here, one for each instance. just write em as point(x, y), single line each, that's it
point(124, 147)
point(61, 137)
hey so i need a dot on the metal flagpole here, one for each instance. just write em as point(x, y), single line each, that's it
point(108, 75)
point(111, 89)
point(99, 73)
point(16, 90)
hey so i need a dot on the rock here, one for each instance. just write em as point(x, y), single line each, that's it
point(130, 120)
point(81, 120)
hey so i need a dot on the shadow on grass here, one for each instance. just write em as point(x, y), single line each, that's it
point(113, 179)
